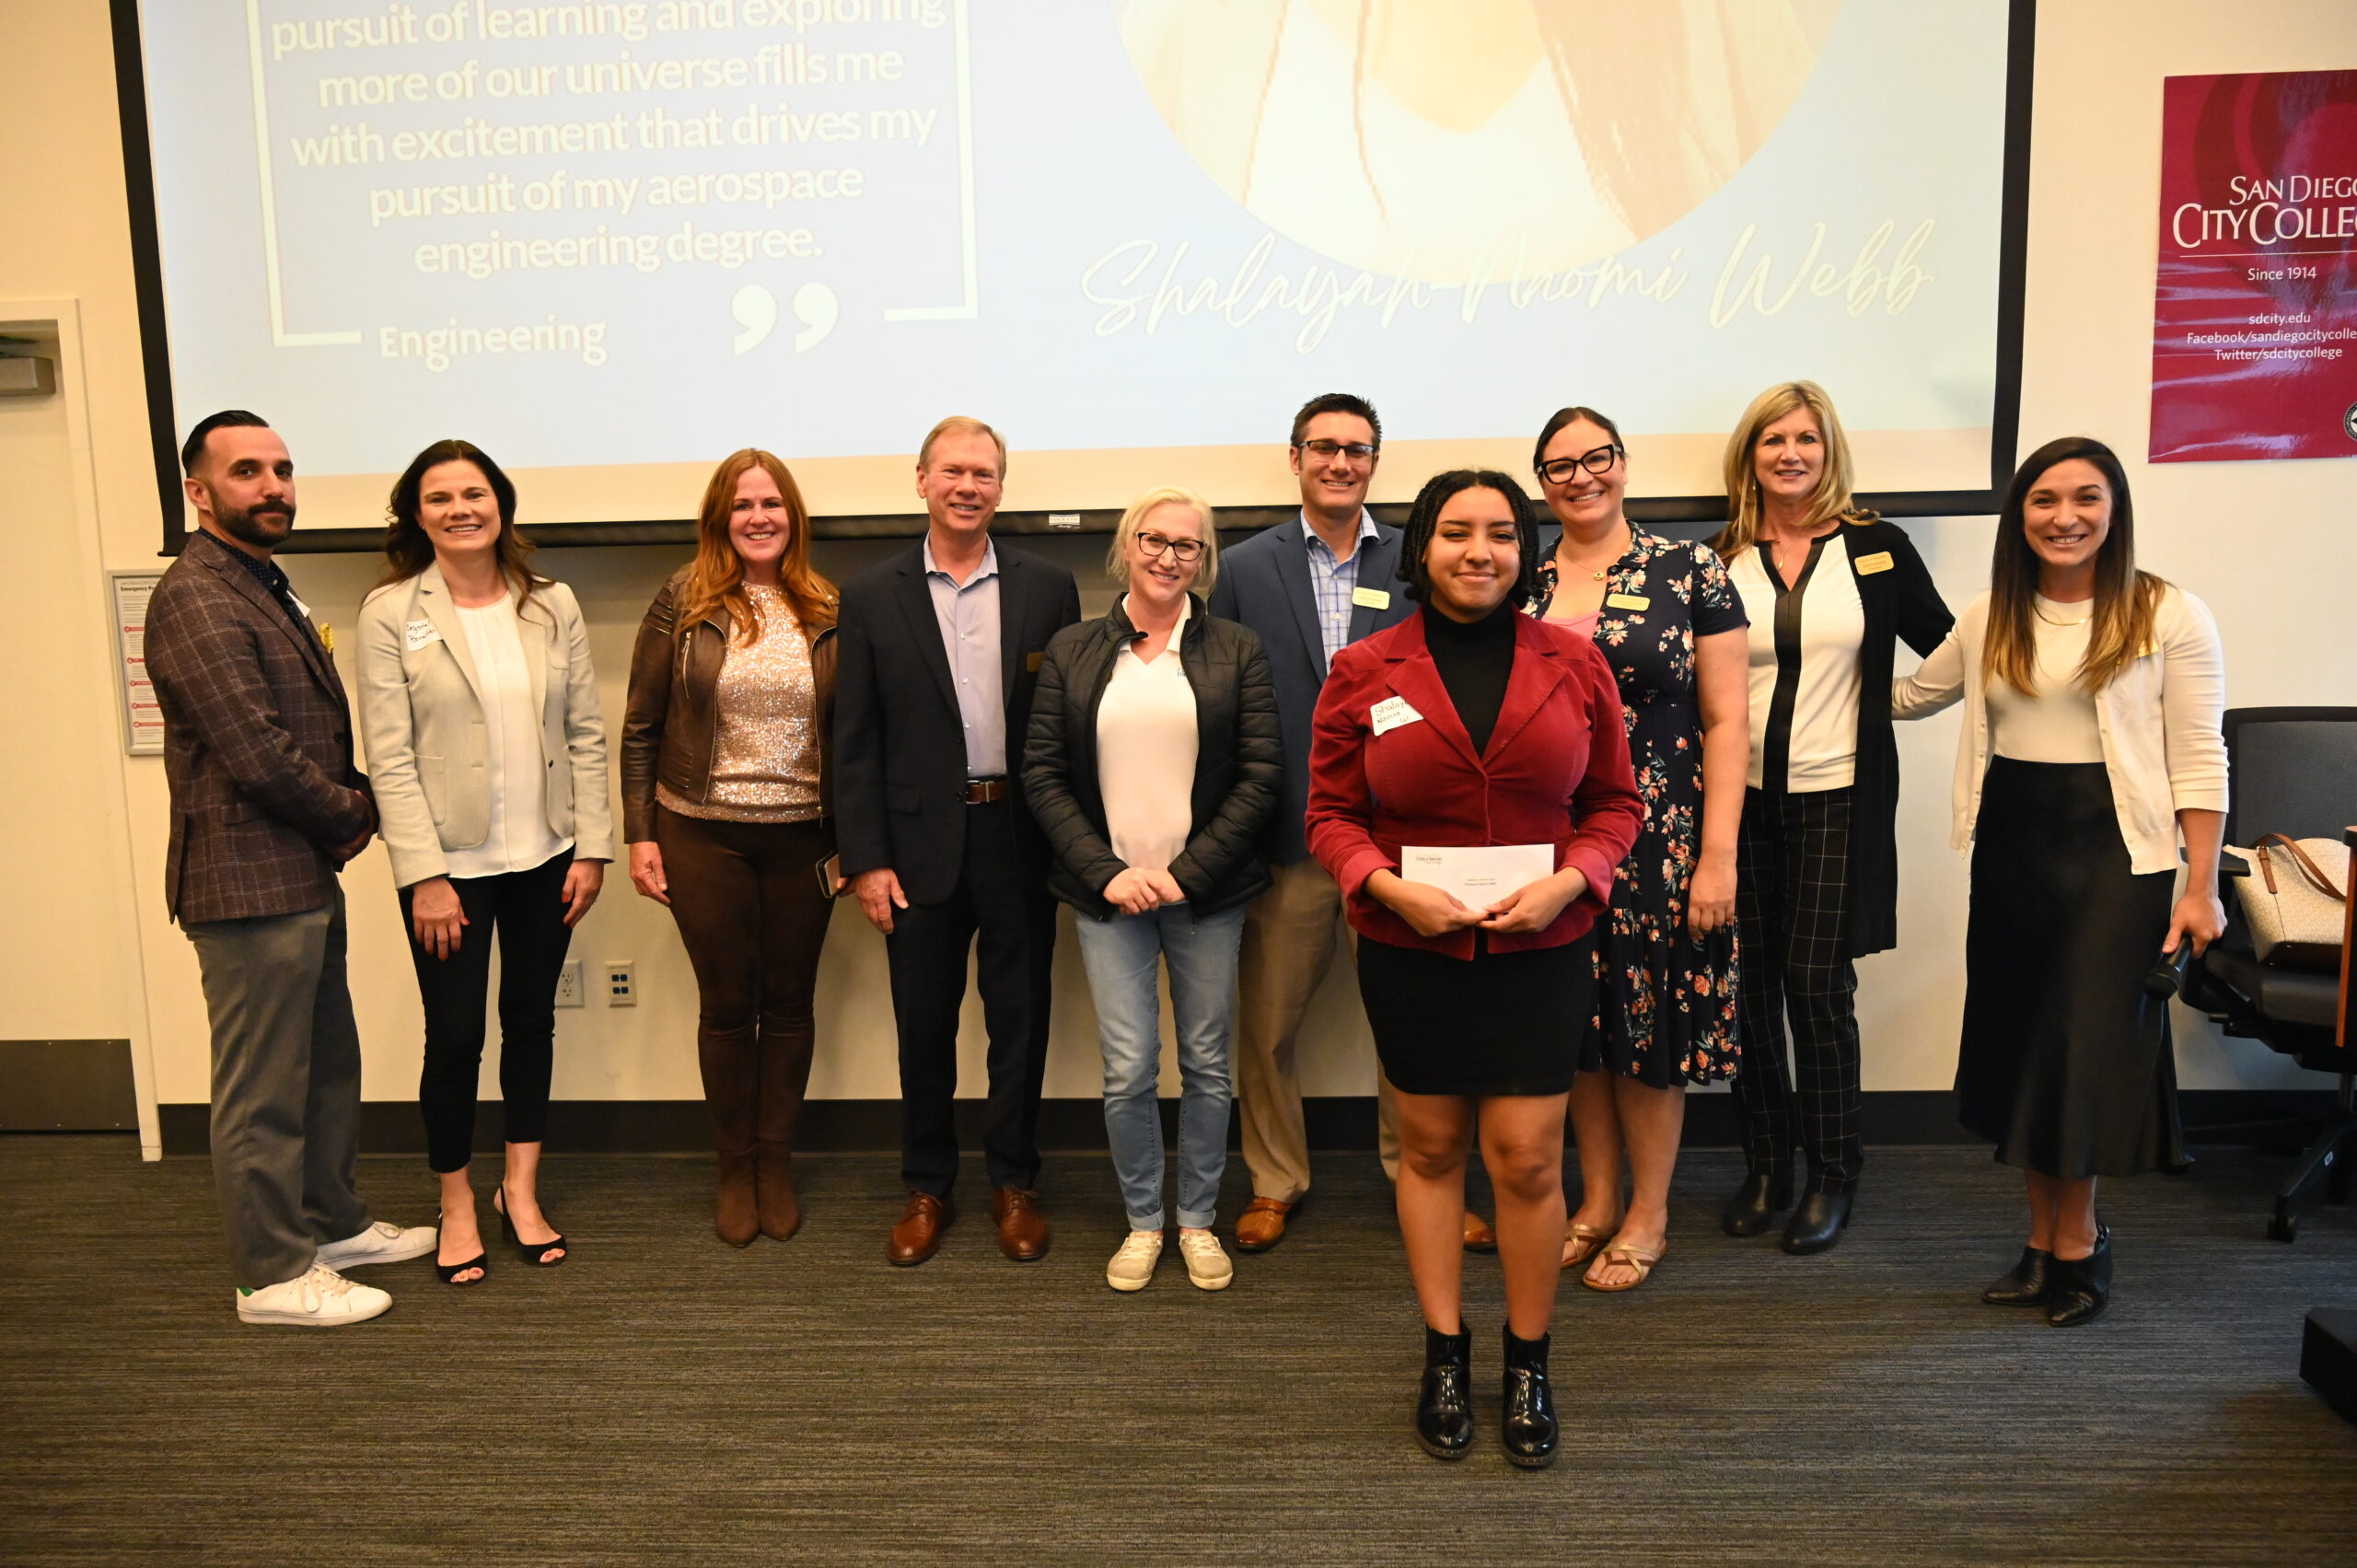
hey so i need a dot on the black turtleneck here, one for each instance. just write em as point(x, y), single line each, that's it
point(1475, 662)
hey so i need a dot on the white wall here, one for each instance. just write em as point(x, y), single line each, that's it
point(87, 951)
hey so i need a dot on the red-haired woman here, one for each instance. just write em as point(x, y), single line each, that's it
point(727, 805)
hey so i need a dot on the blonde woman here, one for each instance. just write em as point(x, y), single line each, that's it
point(1151, 763)
point(1829, 589)
point(2094, 694)
point(488, 760)
point(726, 796)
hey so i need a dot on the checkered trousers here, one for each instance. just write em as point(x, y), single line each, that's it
point(1792, 911)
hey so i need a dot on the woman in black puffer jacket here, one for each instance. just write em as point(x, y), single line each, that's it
point(1151, 763)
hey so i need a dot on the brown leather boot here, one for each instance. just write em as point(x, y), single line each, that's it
point(785, 1076)
point(735, 1211)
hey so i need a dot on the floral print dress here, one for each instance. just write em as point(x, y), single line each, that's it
point(1666, 1002)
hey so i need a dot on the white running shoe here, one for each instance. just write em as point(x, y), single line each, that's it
point(383, 1242)
point(1132, 1266)
point(1207, 1266)
point(321, 1298)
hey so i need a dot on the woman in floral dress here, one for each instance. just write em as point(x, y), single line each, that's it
point(1669, 621)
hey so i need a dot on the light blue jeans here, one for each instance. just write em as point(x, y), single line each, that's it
point(1119, 955)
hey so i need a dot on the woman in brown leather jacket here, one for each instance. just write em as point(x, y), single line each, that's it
point(727, 806)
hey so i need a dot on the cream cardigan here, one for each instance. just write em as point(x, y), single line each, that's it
point(2160, 721)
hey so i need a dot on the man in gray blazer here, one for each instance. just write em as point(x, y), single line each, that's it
point(266, 807)
point(1309, 588)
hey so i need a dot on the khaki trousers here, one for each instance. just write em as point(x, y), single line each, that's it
point(1290, 933)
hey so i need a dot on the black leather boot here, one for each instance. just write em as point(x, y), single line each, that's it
point(1529, 1428)
point(2027, 1285)
point(2078, 1289)
point(1445, 1408)
point(1754, 1206)
point(1819, 1222)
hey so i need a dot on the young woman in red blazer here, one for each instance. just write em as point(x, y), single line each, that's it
point(1470, 725)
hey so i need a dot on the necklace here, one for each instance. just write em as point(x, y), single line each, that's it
point(1566, 566)
point(2039, 607)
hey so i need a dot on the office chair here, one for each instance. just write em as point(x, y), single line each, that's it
point(2291, 771)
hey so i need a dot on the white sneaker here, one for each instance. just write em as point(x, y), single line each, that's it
point(321, 1298)
point(1132, 1266)
point(1207, 1266)
point(383, 1242)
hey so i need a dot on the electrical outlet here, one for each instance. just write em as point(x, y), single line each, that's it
point(569, 993)
point(622, 983)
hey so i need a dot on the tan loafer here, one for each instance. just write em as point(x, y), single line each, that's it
point(1478, 1236)
point(1262, 1224)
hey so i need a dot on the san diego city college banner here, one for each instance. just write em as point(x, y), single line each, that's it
point(2255, 304)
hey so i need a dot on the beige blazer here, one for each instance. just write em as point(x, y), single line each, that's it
point(421, 722)
point(2160, 721)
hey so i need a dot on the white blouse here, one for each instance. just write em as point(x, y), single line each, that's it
point(518, 840)
point(1818, 665)
point(1146, 743)
point(2058, 724)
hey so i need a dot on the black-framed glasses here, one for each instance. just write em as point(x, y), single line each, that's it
point(1357, 451)
point(1181, 550)
point(1561, 470)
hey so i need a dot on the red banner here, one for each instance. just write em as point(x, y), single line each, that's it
point(2255, 304)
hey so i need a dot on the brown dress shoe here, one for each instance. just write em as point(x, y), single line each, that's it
point(917, 1236)
point(1022, 1228)
point(735, 1215)
point(1478, 1236)
point(1262, 1224)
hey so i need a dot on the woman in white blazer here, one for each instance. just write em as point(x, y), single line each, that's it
point(2094, 694)
point(478, 709)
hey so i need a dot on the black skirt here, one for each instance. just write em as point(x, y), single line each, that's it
point(2066, 1065)
point(1505, 1024)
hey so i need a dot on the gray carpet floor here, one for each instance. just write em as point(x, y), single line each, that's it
point(663, 1399)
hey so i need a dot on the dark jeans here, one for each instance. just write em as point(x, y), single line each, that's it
point(747, 900)
point(526, 911)
point(1003, 900)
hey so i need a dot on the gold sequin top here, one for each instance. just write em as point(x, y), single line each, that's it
point(765, 746)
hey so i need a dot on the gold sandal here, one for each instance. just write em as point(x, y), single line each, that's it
point(1588, 1239)
point(1640, 1259)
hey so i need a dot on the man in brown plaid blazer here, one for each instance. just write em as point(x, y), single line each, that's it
point(266, 807)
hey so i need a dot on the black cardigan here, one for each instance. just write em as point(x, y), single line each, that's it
point(1900, 602)
point(1239, 761)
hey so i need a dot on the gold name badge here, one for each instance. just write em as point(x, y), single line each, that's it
point(1371, 598)
point(1878, 562)
point(1626, 601)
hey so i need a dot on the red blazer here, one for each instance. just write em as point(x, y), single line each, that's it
point(1556, 771)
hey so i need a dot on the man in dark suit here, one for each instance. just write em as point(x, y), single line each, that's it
point(1309, 588)
point(939, 649)
point(266, 807)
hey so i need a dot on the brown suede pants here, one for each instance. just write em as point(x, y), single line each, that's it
point(746, 896)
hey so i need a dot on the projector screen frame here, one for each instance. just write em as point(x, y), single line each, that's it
point(139, 182)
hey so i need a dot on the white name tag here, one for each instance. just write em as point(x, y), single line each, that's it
point(421, 633)
point(1371, 598)
point(1391, 713)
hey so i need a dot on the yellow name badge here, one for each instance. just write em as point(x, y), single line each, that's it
point(1371, 598)
point(1626, 601)
point(1869, 564)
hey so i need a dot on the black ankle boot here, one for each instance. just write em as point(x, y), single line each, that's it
point(2078, 1289)
point(1819, 1222)
point(1445, 1408)
point(2029, 1283)
point(1753, 1207)
point(1530, 1427)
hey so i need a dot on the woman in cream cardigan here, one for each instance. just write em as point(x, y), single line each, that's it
point(2092, 695)
point(478, 709)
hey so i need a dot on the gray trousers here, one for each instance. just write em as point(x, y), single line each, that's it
point(285, 1087)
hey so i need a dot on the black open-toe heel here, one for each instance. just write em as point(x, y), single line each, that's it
point(530, 1251)
point(448, 1273)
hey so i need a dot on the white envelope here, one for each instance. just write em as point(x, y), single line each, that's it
point(1477, 876)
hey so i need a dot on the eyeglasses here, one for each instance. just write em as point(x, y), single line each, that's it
point(1357, 451)
point(1562, 470)
point(1181, 550)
